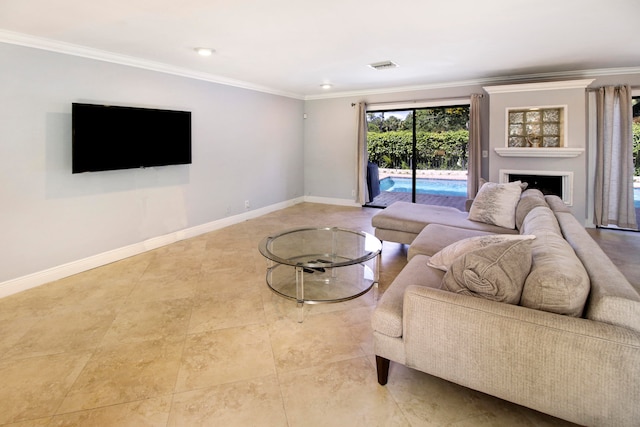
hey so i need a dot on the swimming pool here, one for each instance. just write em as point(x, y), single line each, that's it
point(439, 187)
point(445, 187)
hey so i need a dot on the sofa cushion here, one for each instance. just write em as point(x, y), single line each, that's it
point(558, 282)
point(540, 220)
point(443, 259)
point(495, 272)
point(435, 237)
point(387, 317)
point(496, 204)
point(409, 218)
point(556, 204)
point(612, 299)
point(529, 199)
point(413, 217)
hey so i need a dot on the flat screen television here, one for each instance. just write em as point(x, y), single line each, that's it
point(107, 137)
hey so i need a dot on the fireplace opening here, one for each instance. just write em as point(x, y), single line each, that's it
point(547, 184)
point(559, 183)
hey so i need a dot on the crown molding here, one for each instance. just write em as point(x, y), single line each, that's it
point(27, 40)
point(520, 78)
point(532, 87)
point(388, 90)
point(42, 43)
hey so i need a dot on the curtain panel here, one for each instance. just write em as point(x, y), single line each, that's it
point(614, 158)
point(362, 193)
point(474, 147)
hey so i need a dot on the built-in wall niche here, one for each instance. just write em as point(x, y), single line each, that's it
point(537, 132)
point(536, 127)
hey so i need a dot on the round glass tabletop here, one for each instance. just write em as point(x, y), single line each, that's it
point(329, 263)
point(326, 247)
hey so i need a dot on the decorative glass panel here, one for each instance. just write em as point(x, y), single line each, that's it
point(516, 141)
point(536, 127)
point(516, 130)
point(533, 130)
point(533, 116)
point(517, 117)
point(551, 129)
point(551, 115)
point(551, 141)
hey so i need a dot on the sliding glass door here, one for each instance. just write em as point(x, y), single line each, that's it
point(420, 155)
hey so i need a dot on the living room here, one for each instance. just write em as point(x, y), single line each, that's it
point(267, 147)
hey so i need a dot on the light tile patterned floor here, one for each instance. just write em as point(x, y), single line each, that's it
point(189, 335)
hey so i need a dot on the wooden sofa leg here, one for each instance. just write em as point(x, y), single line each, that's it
point(382, 366)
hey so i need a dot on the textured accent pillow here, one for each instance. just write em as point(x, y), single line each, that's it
point(497, 272)
point(443, 259)
point(496, 204)
point(483, 181)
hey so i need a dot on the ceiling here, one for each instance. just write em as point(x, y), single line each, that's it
point(293, 46)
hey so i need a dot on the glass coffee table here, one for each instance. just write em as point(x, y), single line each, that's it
point(321, 265)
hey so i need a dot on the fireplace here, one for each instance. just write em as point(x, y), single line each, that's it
point(549, 182)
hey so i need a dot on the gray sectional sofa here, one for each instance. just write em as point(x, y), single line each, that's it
point(567, 342)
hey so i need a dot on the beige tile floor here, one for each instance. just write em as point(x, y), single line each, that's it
point(190, 335)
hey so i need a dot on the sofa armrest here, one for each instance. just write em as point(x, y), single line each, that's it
point(570, 367)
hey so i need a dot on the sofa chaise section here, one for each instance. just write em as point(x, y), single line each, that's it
point(583, 367)
point(402, 221)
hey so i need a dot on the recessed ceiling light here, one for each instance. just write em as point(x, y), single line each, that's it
point(383, 65)
point(204, 51)
point(325, 86)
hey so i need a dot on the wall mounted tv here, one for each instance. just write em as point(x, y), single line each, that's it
point(109, 137)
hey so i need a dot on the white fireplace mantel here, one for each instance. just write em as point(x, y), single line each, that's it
point(539, 151)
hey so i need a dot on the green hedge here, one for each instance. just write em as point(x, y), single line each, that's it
point(439, 150)
point(636, 148)
point(436, 150)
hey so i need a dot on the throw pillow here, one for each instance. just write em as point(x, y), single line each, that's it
point(443, 259)
point(483, 181)
point(497, 272)
point(496, 204)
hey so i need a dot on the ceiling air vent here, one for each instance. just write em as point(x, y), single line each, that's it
point(384, 65)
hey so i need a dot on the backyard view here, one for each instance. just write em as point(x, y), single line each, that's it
point(438, 149)
point(434, 148)
point(636, 156)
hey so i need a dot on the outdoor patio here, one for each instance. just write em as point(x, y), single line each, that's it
point(385, 198)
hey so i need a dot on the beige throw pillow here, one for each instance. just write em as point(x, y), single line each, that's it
point(443, 259)
point(496, 272)
point(496, 204)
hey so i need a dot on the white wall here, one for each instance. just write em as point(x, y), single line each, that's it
point(576, 137)
point(247, 145)
point(330, 135)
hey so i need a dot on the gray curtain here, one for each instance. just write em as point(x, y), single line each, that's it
point(614, 158)
point(362, 193)
point(474, 147)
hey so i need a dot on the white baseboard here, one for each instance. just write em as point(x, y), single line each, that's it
point(332, 201)
point(33, 280)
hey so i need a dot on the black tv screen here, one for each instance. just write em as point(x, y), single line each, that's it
point(109, 137)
